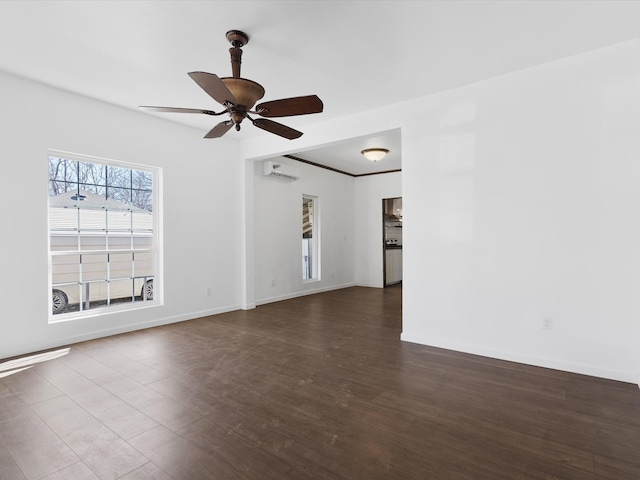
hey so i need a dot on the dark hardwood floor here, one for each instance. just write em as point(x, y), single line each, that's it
point(318, 387)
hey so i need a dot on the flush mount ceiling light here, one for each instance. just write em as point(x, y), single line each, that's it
point(374, 154)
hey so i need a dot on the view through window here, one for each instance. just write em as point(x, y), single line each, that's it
point(101, 235)
point(309, 238)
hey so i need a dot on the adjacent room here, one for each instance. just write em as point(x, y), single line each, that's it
point(281, 239)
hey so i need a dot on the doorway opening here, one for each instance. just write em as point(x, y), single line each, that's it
point(392, 240)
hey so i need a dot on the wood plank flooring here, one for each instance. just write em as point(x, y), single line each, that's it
point(318, 387)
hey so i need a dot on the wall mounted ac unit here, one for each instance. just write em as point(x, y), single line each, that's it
point(281, 170)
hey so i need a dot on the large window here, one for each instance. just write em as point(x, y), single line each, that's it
point(310, 244)
point(102, 240)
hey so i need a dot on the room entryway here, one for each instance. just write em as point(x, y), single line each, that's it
point(392, 240)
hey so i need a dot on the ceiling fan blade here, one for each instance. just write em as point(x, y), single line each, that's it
point(176, 110)
point(277, 128)
point(287, 107)
point(219, 130)
point(212, 84)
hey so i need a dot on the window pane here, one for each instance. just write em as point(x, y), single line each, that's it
point(90, 174)
point(142, 199)
point(119, 177)
point(62, 170)
point(143, 264)
point(141, 179)
point(120, 265)
point(309, 239)
point(56, 187)
point(63, 243)
point(65, 269)
point(122, 290)
point(92, 242)
point(56, 168)
point(95, 293)
point(142, 222)
point(142, 241)
point(120, 242)
point(94, 267)
point(98, 190)
point(119, 220)
point(307, 218)
point(122, 197)
point(62, 220)
point(91, 220)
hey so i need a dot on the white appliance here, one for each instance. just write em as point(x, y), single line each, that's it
point(280, 170)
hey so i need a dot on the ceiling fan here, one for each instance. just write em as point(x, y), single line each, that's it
point(239, 95)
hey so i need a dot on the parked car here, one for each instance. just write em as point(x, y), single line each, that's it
point(65, 296)
point(97, 274)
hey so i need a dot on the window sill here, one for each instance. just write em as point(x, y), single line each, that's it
point(102, 311)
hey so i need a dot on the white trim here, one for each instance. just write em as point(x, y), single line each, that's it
point(52, 152)
point(70, 341)
point(303, 293)
point(524, 359)
point(101, 311)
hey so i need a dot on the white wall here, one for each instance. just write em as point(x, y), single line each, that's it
point(277, 229)
point(201, 210)
point(370, 190)
point(522, 202)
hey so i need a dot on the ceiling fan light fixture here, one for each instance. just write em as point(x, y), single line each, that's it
point(374, 154)
point(247, 92)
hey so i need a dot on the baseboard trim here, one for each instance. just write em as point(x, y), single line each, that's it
point(67, 341)
point(288, 296)
point(581, 369)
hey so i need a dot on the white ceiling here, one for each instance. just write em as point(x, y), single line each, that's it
point(355, 55)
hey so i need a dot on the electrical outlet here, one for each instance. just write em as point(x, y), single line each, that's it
point(208, 292)
point(547, 323)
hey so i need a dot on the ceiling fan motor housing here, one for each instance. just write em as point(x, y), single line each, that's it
point(247, 92)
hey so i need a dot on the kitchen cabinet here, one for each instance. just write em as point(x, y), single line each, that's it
point(393, 264)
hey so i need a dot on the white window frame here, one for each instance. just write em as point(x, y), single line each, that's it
point(155, 244)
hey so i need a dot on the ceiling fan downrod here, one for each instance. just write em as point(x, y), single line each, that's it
point(238, 40)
